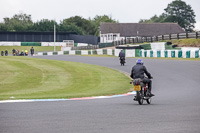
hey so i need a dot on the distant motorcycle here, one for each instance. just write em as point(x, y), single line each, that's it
point(122, 61)
point(142, 92)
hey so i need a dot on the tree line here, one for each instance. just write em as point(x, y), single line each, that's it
point(177, 12)
point(23, 23)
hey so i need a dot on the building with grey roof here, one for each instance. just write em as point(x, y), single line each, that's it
point(110, 32)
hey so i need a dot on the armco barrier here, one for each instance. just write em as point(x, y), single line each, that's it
point(60, 52)
point(130, 53)
point(30, 43)
point(109, 52)
point(10, 43)
point(170, 53)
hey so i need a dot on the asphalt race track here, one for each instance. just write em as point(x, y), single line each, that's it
point(174, 109)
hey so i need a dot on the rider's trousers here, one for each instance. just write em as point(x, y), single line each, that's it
point(149, 82)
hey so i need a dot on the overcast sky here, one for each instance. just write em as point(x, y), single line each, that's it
point(125, 11)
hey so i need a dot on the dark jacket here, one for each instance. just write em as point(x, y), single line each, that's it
point(121, 54)
point(138, 72)
point(32, 50)
point(13, 50)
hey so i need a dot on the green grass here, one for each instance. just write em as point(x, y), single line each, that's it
point(181, 43)
point(36, 48)
point(187, 42)
point(31, 78)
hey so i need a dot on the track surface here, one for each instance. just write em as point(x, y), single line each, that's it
point(175, 108)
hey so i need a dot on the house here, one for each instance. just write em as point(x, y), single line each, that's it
point(110, 32)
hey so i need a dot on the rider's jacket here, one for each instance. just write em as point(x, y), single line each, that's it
point(121, 54)
point(138, 72)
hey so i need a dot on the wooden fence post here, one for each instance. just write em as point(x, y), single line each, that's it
point(162, 37)
point(178, 36)
point(196, 35)
point(186, 34)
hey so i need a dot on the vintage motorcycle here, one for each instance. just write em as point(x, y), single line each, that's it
point(122, 61)
point(142, 92)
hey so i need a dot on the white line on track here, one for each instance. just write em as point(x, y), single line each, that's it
point(50, 100)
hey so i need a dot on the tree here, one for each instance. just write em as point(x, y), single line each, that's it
point(178, 11)
point(98, 19)
point(44, 25)
point(154, 19)
point(19, 22)
point(83, 24)
point(70, 28)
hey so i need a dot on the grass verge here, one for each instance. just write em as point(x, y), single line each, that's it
point(30, 78)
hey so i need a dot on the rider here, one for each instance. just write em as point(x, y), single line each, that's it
point(32, 51)
point(13, 52)
point(6, 52)
point(122, 55)
point(2, 53)
point(138, 72)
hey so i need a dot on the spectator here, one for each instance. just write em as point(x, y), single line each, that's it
point(22, 53)
point(26, 52)
point(6, 52)
point(13, 52)
point(2, 53)
point(32, 51)
point(17, 52)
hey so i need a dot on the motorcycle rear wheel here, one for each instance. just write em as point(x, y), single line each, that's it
point(139, 98)
point(140, 101)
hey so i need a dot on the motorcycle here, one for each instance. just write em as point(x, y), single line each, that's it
point(122, 61)
point(142, 92)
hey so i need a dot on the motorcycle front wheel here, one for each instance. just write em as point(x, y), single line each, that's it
point(149, 101)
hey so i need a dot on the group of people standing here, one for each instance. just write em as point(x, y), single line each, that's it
point(23, 53)
point(6, 53)
point(17, 53)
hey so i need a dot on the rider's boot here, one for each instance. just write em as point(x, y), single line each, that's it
point(150, 94)
point(135, 99)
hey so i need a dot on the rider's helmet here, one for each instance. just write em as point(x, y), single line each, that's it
point(139, 61)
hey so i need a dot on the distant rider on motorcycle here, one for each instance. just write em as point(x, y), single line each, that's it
point(138, 71)
point(122, 55)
